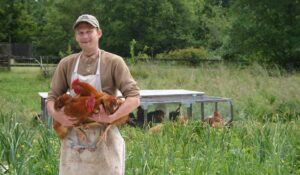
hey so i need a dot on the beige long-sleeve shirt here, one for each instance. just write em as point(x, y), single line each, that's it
point(114, 73)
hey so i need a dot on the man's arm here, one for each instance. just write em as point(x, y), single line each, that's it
point(127, 107)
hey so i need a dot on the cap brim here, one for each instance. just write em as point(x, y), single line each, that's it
point(86, 21)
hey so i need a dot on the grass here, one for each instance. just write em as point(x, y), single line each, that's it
point(19, 91)
point(264, 138)
point(27, 149)
point(255, 90)
point(247, 148)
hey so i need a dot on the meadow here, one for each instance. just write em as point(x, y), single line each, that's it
point(264, 137)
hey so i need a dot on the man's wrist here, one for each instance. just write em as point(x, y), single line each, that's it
point(112, 118)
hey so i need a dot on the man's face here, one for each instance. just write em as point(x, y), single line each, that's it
point(87, 36)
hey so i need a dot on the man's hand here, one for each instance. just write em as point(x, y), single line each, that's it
point(63, 119)
point(101, 116)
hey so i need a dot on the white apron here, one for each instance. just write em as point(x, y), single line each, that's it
point(92, 157)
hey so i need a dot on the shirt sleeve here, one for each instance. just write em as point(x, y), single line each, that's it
point(59, 84)
point(123, 78)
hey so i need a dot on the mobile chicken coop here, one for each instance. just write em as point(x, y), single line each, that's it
point(170, 96)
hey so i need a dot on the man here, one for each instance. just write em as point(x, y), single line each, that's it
point(106, 72)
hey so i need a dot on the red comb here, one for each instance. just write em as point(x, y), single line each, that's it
point(75, 87)
point(75, 82)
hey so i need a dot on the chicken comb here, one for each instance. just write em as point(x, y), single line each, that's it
point(75, 87)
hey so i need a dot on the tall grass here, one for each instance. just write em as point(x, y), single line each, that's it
point(257, 92)
point(247, 148)
point(264, 138)
point(27, 149)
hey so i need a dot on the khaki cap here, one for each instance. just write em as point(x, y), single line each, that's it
point(88, 19)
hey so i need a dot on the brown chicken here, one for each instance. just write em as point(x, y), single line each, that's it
point(110, 103)
point(83, 89)
point(216, 120)
point(182, 118)
point(78, 107)
point(155, 129)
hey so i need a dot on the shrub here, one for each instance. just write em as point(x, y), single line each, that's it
point(192, 55)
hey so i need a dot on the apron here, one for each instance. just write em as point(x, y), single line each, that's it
point(92, 157)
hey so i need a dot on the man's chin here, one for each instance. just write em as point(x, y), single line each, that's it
point(88, 49)
point(85, 46)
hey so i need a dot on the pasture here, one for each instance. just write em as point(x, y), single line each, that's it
point(264, 138)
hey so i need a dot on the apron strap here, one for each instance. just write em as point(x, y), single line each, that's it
point(99, 59)
point(77, 63)
point(97, 86)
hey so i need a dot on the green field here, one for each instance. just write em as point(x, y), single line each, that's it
point(264, 138)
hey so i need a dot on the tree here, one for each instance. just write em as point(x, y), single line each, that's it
point(156, 26)
point(57, 34)
point(159, 25)
point(211, 23)
point(17, 25)
point(266, 30)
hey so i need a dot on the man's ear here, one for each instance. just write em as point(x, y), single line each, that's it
point(99, 32)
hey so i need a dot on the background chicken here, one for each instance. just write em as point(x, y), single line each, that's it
point(216, 120)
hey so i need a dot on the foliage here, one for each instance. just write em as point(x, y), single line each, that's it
point(212, 21)
point(161, 25)
point(69, 51)
point(265, 29)
point(17, 24)
point(261, 31)
point(132, 53)
point(193, 55)
point(27, 150)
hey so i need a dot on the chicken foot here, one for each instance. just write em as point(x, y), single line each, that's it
point(82, 135)
point(103, 136)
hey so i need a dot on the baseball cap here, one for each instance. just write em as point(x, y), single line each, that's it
point(87, 18)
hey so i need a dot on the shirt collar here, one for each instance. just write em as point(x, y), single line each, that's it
point(89, 59)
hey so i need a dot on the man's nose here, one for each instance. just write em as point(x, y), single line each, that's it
point(85, 35)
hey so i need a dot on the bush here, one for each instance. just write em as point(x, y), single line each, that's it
point(192, 55)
